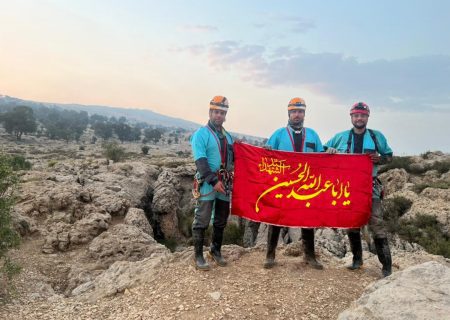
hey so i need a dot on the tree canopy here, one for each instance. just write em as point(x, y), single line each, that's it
point(19, 120)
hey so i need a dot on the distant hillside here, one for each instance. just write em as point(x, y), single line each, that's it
point(131, 114)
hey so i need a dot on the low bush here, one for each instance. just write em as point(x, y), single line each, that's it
point(441, 166)
point(418, 188)
point(51, 163)
point(393, 209)
point(18, 162)
point(112, 151)
point(145, 149)
point(397, 163)
point(233, 234)
point(8, 237)
point(427, 231)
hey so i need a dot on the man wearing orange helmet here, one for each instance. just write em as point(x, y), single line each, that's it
point(360, 139)
point(213, 155)
point(294, 137)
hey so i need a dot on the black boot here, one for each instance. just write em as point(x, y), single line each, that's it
point(272, 240)
point(198, 236)
point(355, 245)
point(308, 245)
point(384, 255)
point(216, 244)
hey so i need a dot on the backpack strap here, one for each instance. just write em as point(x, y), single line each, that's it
point(372, 135)
point(349, 141)
point(375, 141)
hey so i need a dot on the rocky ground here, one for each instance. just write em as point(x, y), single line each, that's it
point(176, 290)
point(89, 251)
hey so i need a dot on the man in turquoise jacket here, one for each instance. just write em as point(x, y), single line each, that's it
point(213, 155)
point(296, 138)
point(360, 139)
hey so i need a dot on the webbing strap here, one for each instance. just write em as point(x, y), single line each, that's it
point(303, 134)
point(372, 135)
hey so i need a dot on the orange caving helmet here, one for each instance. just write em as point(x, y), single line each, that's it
point(219, 103)
point(360, 107)
point(296, 104)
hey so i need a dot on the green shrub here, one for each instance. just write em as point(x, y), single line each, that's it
point(410, 167)
point(393, 209)
point(8, 237)
point(397, 163)
point(18, 162)
point(145, 149)
point(233, 234)
point(441, 166)
point(427, 231)
point(51, 163)
point(112, 151)
point(170, 243)
point(418, 169)
point(185, 220)
point(418, 188)
point(426, 155)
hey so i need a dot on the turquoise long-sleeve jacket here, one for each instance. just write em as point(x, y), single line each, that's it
point(205, 144)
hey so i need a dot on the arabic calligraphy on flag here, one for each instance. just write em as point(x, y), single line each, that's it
point(301, 189)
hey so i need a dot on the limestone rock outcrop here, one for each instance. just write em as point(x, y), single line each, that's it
point(419, 292)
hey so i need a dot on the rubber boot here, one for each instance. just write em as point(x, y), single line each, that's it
point(198, 236)
point(356, 247)
point(384, 255)
point(308, 245)
point(272, 241)
point(214, 250)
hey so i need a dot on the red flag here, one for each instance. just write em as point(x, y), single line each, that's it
point(301, 189)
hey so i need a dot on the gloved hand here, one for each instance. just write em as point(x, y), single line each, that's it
point(375, 157)
point(331, 150)
point(267, 147)
point(219, 187)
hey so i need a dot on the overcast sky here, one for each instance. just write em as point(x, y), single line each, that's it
point(173, 56)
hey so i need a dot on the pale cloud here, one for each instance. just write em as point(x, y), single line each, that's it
point(409, 84)
point(299, 24)
point(226, 53)
point(291, 22)
point(199, 28)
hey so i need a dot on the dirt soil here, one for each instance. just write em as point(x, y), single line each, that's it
point(242, 290)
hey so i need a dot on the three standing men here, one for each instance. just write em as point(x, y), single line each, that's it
point(213, 155)
point(360, 139)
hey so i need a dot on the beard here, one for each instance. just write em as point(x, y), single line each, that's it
point(297, 124)
point(359, 126)
point(217, 123)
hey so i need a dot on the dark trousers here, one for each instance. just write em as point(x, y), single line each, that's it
point(204, 211)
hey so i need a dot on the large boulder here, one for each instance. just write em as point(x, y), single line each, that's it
point(112, 203)
point(120, 276)
point(419, 292)
point(86, 229)
point(165, 203)
point(437, 207)
point(56, 238)
point(165, 197)
point(394, 180)
point(123, 242)
point(136, 217)
point(60, 236)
